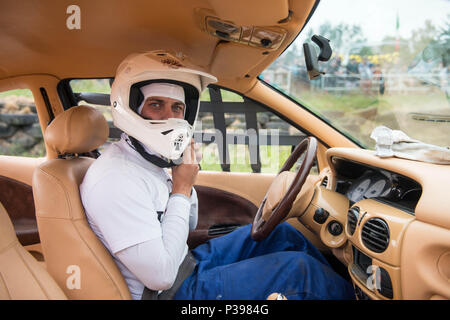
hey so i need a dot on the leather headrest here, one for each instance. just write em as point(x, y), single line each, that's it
point(77, 130)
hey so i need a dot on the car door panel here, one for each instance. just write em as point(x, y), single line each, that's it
point(227, 200)
point(19, 168)
point(251, 186)
point(220, 218)
point(219, 212)
point(16, 195)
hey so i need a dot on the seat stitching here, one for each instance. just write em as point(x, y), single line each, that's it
point(6, 286)
point(32, 272)
point(9, 246)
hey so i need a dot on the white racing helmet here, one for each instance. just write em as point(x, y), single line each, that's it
point(169, 138)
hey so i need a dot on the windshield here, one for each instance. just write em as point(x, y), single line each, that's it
point(390, 66)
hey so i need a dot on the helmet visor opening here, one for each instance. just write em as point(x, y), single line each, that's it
point(191, 93)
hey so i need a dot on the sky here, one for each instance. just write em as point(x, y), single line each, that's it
point(378, 17)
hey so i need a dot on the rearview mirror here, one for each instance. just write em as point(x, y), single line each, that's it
point(311, 57)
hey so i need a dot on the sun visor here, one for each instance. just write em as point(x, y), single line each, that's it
point(232, 61)
point(251, 12)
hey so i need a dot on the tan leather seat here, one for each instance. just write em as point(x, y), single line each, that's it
point(70, 247)
point(21, 276)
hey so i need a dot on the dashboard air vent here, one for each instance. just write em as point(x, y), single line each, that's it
point(375, 235)
point(352, 219)
point(324, 182)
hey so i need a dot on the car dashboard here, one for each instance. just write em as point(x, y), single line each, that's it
point(358, 181)
point(372, 213)
point(379, 199)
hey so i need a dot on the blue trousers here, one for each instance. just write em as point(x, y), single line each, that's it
point(234, 267)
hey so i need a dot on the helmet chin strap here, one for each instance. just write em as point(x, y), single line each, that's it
point(151, 157)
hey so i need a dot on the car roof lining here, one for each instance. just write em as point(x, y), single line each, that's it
point(35, 40)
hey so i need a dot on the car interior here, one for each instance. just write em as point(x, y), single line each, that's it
point(382, 223)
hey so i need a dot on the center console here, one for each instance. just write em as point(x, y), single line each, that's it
point(372, 277)
point(375, 231)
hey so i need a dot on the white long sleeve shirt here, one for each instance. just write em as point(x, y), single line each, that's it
point(127, 204)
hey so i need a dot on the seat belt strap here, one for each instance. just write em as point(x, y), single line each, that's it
point(150, 157)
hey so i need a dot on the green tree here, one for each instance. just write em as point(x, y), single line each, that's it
point(422, 37)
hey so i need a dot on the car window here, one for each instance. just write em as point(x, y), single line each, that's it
point(95, 93)
point(390, 66)
point(234, 133)
point(240, 135)
point(20, 131)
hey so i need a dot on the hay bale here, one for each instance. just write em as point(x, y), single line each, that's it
point(19, 119)
point(34, 131)
point(22, 140)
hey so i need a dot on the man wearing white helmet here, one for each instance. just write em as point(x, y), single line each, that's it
point(143, 215)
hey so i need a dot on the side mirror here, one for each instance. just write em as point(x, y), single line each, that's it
point(311, 57)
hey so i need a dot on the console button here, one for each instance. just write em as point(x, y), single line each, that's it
point(335, 228)
point(320, 215)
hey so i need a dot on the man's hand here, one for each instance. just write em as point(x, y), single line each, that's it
point(184, 175)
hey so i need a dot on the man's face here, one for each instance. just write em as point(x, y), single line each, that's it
point(162, 108)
